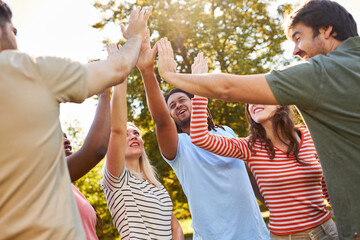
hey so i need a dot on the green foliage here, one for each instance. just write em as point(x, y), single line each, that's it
point(238, 36)
point(74, 134)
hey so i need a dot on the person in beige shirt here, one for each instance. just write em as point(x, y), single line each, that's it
point(36, 201)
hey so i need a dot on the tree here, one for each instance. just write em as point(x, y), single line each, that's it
point(238, 36)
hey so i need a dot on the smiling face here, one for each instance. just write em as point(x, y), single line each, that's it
point(306, 45)
point(179, 105)
point(262, 114)
point(67, 146)
point(134, 142)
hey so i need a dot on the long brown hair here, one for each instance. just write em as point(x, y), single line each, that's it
point(283, 126)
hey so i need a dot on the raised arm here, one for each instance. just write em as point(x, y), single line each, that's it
point(165, 126)
point(220, 145)
point(115, 159)
point(96, 142)
point(228, 87)
point(199, 133)
point(117, 67)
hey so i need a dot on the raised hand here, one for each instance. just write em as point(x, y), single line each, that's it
point(137, 23)
point(147, 54)
point(200, 64)
point(166, 63)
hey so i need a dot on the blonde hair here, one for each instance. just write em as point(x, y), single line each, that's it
point(147, 171)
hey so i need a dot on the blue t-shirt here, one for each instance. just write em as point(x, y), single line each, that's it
point(221, 200)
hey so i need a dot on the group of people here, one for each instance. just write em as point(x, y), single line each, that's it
point(216, 169)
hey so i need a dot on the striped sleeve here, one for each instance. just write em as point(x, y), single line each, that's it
point(111, 182)
point(220, 145)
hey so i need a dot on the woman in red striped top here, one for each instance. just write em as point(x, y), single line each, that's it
point(284, 162)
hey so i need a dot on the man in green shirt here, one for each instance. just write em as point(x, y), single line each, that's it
point(325, 88)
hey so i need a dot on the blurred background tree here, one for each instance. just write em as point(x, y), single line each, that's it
point(238, 37)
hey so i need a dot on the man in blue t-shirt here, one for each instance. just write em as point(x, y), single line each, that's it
point(324, 87)
point(221, 200)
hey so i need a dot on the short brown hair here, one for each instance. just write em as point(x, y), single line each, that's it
point(323, 13)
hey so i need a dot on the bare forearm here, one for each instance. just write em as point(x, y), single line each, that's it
point(119, 108)
point(125, 59)
point(155, 98)
point(228, 87)
point(96, 142)
point(98, 136)
point(115, 69)
point(116, 153)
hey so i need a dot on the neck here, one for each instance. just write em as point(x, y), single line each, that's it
point(270, 134)
point(186, 130)
point(333, 44)
point(133, 164)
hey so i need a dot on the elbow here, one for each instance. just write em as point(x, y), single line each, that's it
point(125, 69)
point(225, 92)
point(196, 140)
point(121, 73)
point(100, 153)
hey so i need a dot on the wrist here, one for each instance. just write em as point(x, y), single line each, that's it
point(105, 93)
point(169, 77)
point(136, 37)
point(147, 70)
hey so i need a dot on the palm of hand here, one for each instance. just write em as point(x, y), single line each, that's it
point(200, 64)
point(199, 68)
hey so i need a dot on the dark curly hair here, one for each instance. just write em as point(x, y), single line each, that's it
point(211, 124)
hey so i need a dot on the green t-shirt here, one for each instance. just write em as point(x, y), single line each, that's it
point(326, 90)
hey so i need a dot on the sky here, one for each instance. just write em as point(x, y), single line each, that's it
point(63, 28)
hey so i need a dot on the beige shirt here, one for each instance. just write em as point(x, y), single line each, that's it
point(36, 200)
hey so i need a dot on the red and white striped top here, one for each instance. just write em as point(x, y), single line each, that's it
point(293, 192)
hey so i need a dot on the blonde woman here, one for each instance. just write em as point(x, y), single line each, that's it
point(140, 206)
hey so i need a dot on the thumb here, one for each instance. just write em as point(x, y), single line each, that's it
point(123, 30)
point(154, 51)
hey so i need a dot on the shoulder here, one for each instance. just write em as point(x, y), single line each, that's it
point(306, 137)
point(16, 59)
point(304, 131)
